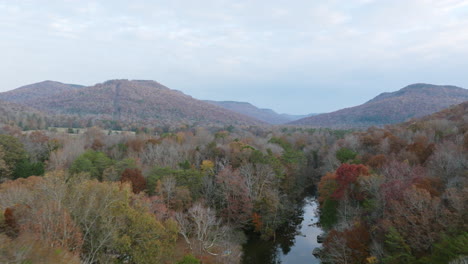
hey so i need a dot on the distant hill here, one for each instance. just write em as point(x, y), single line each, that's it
point(16, 114)
point(36, 91)
point(412, 101)
point(266, 115)
point(130, 102)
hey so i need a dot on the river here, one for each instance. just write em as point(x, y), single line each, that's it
point(294, 243)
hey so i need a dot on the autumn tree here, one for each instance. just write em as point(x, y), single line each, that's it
point(135, 177)
point(202, 230)
point(237, 206)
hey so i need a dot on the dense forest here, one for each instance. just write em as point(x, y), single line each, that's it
point(102, 196)
point(191, 195)
point(399, 194)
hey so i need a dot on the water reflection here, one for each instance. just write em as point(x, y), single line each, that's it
point(294, 242)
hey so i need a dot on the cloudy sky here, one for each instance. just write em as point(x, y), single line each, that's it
point(294, 56)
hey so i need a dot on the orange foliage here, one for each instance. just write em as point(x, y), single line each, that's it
point(433, 186)
point(377, 161)
point(53, 225)
point(136, 144)
point(326, 187)
point(257, 221)
point(356, 240)
point(97, 144)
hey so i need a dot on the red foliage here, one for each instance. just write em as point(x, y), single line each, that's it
point(135, 177)
point(11, 225)
point(346, 175)
point(400, 176)
point(38, 137)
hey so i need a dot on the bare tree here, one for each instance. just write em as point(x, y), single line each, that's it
point(168, 185)
point(202, 230)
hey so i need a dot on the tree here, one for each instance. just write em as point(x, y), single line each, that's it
point(143, 239)
point(345, 155)
point(4, 169)
point(52, 224)
point(346, 175)
point(168, 189)
point(237, 206)
point(13, 154)
point(202, 230)
point(27, 249)
point(135, 177)
point(397, 249)
point(348, 246)
point(93, 162)
point(419, 218)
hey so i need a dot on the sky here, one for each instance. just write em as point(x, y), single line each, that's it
point(294, 56)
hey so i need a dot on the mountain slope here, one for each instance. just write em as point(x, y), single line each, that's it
point(141, 102)
point(415, 100)
point(37, 91)
point(266, 115)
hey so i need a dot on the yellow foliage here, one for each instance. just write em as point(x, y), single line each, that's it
point(372, 260)
point(207, 166)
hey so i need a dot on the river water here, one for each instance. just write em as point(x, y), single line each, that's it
point(294, 243)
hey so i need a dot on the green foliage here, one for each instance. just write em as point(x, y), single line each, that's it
point(185, 165)
point(190, 178)
point(345, 154)
point(396, 248)
point(450, 248)
point(121, 165)
point(25, 168)
point(13, 152)
point(290, 155)
point(257, 157)
point(145, 240)
point(329, 213)
point(189, 259)
point(92, 162)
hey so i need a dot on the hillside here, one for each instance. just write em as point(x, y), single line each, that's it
point(136, 102)
point(266, 115)
point(412, 101)
point(409, 173)
point(37, 91)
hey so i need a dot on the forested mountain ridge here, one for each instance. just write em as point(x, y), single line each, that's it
point(266, 115)
point(415, 100)
point(130, 102)
point(37, 91)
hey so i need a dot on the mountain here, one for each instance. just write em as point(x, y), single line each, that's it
point(266, 115)
point(37, 91)
point(456, 114)
point(412, 101)
point(131, 102)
